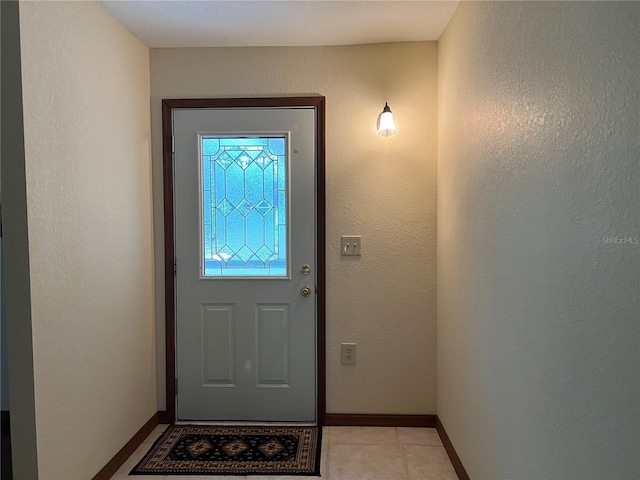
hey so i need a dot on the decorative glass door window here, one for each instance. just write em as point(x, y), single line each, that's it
point(244, 207)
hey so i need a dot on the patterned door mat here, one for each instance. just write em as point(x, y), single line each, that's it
point(233, 450)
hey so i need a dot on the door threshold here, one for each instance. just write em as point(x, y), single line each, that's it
point(248, 424)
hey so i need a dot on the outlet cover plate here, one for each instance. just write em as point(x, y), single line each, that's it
point(348, 354)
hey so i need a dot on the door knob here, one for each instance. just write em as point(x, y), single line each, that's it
point(305, 291)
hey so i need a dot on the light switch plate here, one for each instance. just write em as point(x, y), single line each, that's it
point(351, 245)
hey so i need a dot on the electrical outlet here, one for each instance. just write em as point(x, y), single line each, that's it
point(348, 354)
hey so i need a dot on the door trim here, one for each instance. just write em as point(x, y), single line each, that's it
point(168, 105)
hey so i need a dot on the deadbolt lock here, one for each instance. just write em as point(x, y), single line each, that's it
point(305, 269)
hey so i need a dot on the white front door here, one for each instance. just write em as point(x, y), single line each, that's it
point(245, 249)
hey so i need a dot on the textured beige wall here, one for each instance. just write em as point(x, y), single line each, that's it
point(88, 177)
point(381, 188)
point(538, 227)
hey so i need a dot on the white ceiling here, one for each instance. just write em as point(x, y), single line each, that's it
point(214, 23)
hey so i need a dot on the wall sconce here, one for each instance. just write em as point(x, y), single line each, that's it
point(386, 124)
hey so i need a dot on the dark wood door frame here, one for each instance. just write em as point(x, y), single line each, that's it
point(168, 105)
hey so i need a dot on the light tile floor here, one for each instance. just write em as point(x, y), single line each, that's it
point(350, 453)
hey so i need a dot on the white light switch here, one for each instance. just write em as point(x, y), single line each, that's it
point(351, 245)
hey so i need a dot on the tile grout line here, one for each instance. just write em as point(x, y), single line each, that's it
point(404, 458)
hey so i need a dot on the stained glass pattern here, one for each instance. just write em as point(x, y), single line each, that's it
point(244, 209)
